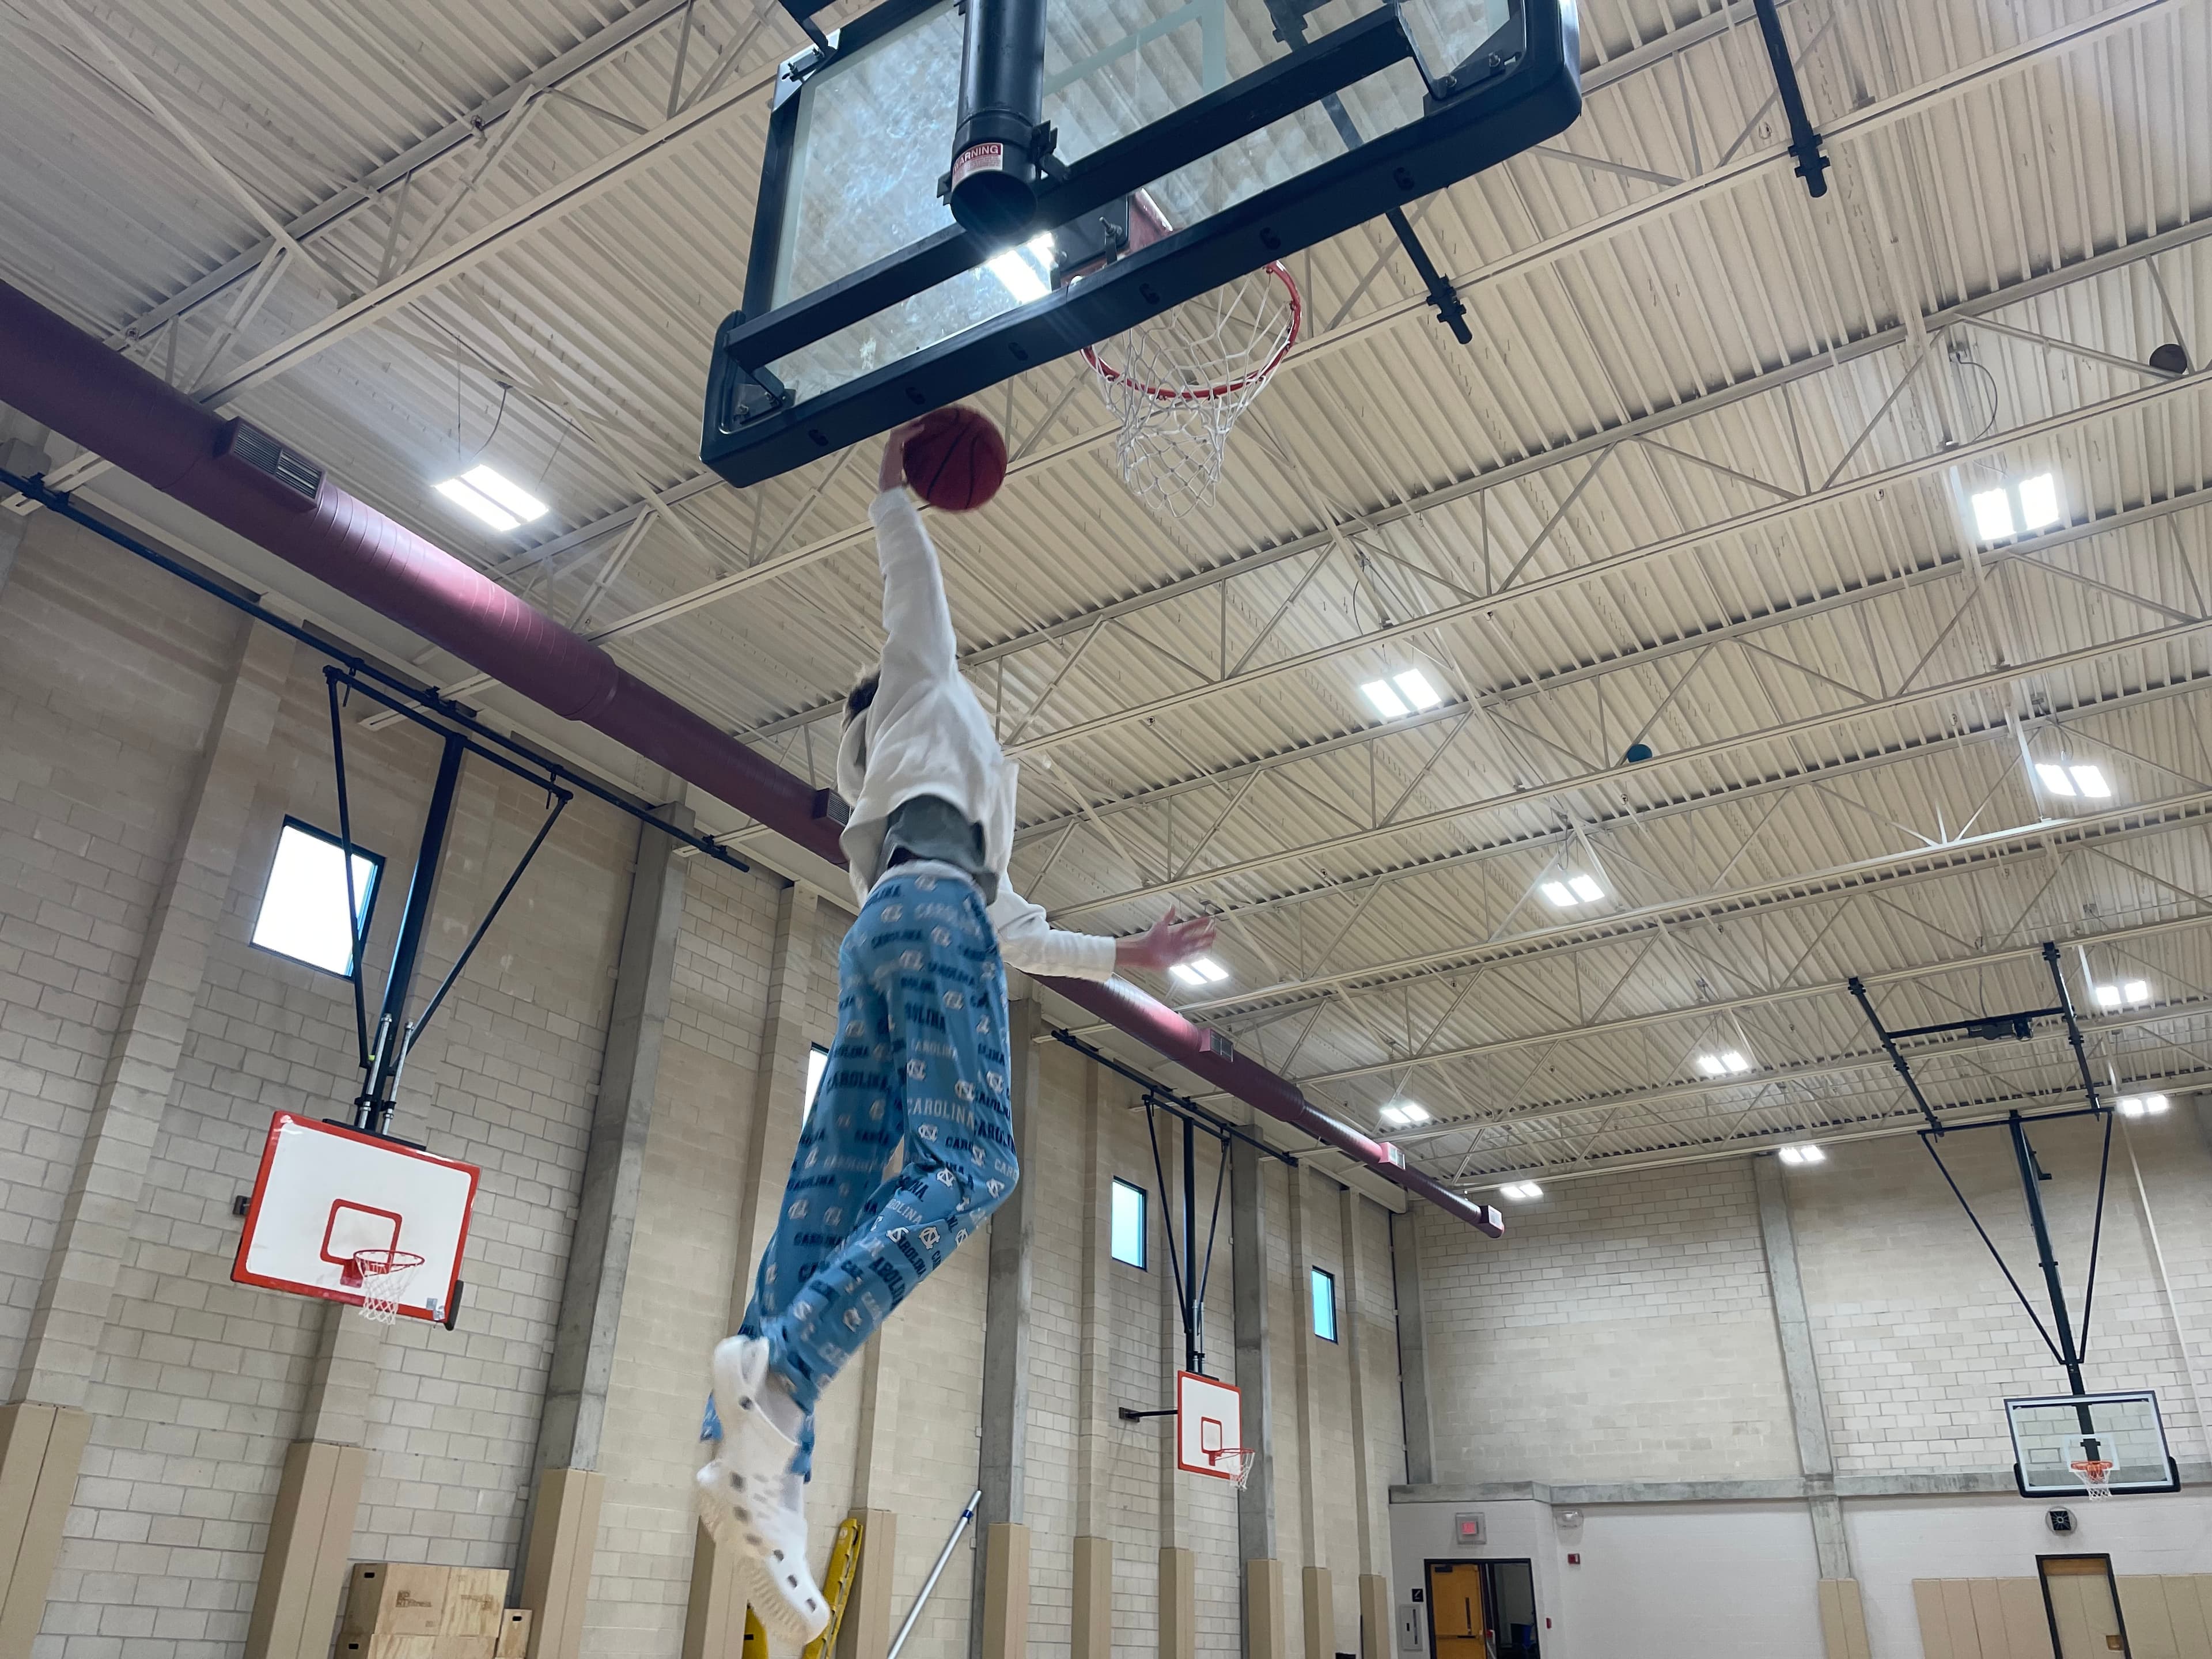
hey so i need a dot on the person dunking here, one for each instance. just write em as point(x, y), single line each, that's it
point(920, 1064)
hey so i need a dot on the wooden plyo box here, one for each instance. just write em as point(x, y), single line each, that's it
point(395, 1598)
point(416, 1647)
point(475, 1599)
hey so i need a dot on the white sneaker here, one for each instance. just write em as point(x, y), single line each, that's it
point(745, 1499)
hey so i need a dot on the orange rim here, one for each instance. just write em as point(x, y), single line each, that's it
point(1191, 395)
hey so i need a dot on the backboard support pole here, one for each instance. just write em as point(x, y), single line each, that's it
point(372, 1109)
point(1000, 139)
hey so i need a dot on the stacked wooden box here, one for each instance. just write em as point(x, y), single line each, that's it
point(408, 1610)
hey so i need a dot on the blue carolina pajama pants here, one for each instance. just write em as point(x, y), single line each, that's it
point(919, 1067)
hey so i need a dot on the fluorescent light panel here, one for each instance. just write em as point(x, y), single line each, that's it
point(1413, 685)
point(2119, 996)
point(1805, 1152)
point(1727, 1063)
point(1184, 974)
point(1387, 703)
point(2143, 1105)
point(1404, 1114)
point(1522, 1190)
point(2014, 510)
point(1575, 889)
point(493, 497)
point(2072, 778)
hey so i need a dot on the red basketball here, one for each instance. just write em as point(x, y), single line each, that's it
point(958, 458)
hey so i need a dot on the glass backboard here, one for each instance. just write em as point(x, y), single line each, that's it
point(859, 269)
point(2053, 1432)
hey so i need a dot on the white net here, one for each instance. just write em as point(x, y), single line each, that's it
point(1235, 1462)
point(2092, 1469)
point(1178, 382)
point(383, 1278)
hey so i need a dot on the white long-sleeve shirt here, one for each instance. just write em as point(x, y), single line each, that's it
point(925, 734)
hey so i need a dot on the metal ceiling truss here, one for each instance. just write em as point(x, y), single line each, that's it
point(1326, 542)
point(551, 203)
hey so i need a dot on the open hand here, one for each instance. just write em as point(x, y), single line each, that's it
point(1165, 943)
point(892, 473)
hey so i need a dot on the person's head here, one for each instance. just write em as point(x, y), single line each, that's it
point(858, 699)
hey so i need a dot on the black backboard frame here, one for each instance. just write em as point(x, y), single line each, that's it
point(1477, 114)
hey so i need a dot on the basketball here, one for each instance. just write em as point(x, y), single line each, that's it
point(958, 458)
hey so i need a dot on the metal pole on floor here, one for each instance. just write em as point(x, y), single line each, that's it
point(922, 1598)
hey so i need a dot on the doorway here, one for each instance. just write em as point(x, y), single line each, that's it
point(2083, 1606)
point(1482, 1610)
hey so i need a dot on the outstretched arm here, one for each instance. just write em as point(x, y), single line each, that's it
point(1029, 942)
point(918, 639)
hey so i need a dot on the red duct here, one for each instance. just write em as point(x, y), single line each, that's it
point(248, 482)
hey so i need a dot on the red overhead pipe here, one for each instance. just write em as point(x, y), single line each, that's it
point(248, 482)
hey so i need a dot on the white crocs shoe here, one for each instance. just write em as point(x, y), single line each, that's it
point(745, 1498)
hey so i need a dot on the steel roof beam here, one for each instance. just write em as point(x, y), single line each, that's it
point(1416, 506)
point(339, 204)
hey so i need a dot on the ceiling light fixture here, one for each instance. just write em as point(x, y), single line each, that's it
point(1404, 1114)
point(1522, 1190)
point(2068, 778)
point(1203, 971)
point(1805, 1152)
point(1575, 889)
point(2143, 1105)
point(1387, 703)
point(2128, 991)
point(1401, 694)
point(496, 499)
point(1413, 685)
point(2015, 509)
point(1727, 1062)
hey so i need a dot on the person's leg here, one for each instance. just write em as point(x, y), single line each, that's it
point(841, 1154)
point(933, 959)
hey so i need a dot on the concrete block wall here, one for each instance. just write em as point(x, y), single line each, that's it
point(1620, 1330)
point(198, 1384)
point(112, 677)
point(1917, 1335)
point(1616, 1354)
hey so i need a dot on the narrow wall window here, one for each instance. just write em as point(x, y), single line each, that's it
point(303, 906)
point(1129, 1233)
point(1324, 1304)
point(817, 1062)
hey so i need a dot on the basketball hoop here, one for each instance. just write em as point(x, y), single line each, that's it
point(1240, 1464)
point(383, 1275)
point(2096, 1475)
point(1178, 382)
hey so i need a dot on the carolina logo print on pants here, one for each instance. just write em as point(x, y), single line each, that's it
point(920, 1064)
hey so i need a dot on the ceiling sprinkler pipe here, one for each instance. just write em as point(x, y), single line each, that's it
point(249, 482)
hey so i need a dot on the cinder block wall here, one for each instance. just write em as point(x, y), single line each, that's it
point(1620, 1330)
point(1622, 1335)
point(110, 675)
